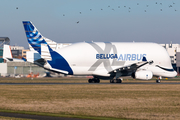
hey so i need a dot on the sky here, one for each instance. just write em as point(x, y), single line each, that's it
point(70, 21)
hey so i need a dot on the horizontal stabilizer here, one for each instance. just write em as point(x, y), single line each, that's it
point(43, 63)
point(45, 54)
point(60, 71)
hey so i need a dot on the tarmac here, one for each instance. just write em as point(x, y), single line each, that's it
point(89, 83)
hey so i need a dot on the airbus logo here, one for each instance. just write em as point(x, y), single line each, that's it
point(104, 56)
point(131, 57)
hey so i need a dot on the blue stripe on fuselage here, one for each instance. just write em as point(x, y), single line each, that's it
point(58, 62)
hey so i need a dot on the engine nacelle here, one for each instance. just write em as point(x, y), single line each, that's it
point(143, 75)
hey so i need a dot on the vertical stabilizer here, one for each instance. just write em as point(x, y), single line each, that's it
point(35, 38)
point(47, 50)
point(7, 55)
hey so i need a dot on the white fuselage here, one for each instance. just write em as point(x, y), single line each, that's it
point(98, 58)
point(101, 59)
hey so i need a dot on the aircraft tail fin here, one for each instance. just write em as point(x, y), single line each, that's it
point(47, 50)
point(35, 38)
point(7, 55)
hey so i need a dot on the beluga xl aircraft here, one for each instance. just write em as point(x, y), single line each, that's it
point(102, 60)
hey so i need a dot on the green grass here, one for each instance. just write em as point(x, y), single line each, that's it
point(12, 118)
point(59, 115)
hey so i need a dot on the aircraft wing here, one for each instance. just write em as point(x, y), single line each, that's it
point(129, 69)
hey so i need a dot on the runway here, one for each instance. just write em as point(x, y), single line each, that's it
point(130, 83)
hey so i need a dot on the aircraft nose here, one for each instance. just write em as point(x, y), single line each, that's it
point(171, 74)
point(175, 73)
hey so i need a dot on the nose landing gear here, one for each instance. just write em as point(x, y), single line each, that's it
point(158, 79)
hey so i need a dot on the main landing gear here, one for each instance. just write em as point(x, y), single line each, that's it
point(94, 80)
point(116, 81)
point(158, 79)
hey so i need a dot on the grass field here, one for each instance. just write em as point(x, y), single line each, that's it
point(131, 101)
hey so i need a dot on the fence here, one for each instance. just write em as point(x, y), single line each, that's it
point(23, 68)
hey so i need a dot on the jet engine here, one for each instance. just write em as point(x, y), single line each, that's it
point(143, 75)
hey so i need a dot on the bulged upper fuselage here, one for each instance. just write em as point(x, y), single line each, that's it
point(97, 57)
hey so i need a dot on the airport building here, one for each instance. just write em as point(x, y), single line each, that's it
point(3, 40)
point(172, 49)
point(24, 53)
point(174, 54)
point(17, 51)
point(1, 54)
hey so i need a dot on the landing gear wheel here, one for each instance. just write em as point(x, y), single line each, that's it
point(94, 80)
point(158, 81)
point(97, 81)
point(90, 80)
point(112, 81)
point(118, 81)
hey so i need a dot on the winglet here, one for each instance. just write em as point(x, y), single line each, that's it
point(144, 59)
point(24, 59)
